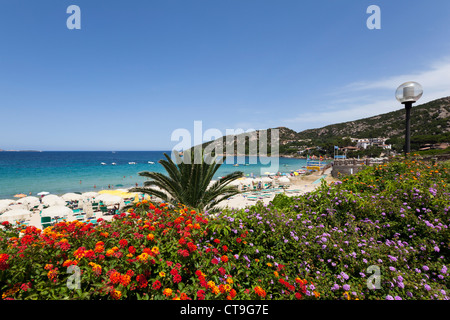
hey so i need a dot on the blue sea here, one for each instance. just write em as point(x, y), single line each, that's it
point(59, 172)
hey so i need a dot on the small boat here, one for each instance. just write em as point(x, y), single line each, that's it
point(103, 164)
point(235, 165)
point(151, 162)
point(131, 162)
point(113, 163)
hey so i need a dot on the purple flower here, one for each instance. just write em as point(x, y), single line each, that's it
point(397, 298)
point(389, 297)
point(425, 268)
point(346, 287)
point(427, 287)
point(335, 287)
point(444, 270)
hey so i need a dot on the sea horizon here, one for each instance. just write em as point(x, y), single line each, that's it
point(60, 172)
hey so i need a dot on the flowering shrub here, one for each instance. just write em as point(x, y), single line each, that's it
point(315, 246)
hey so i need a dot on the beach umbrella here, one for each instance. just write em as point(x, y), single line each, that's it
point(109, 199)
point(56, 211)
point(53, 200)
point(71, 196)
point(267, 172)
point(87, 195)
point(20, 195)
point(284, 180)
point(30, 201)
point(266, 179)
point(16, 214)
point(6, 202)
point(43, 193)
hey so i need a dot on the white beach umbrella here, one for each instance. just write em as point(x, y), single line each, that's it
point(59, 211)
point(29, 201)
point(266, 179)
point(109, 199)
point(87, 195)
point(284, 180)
point(53, 200)
point(4, 208)
point(18, 207)
point(71, 196)
point(16, 214)
point(43, 193)
point(6, 202)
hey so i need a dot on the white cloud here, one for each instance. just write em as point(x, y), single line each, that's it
point(369, 98)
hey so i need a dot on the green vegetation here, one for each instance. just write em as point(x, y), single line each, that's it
point(189, 182)
point(386, 226)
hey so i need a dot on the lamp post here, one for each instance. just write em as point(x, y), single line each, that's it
point(408, 93)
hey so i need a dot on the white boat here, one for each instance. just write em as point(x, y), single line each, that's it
point(103, 164)
point(151, 162)
point(113, 163)
point(131, 162)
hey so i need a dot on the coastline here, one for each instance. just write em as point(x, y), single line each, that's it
point(298, 185)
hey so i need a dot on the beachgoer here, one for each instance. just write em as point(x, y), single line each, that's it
point(95, 186)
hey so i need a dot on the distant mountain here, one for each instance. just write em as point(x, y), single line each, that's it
point(432, 118)
point(430, 123)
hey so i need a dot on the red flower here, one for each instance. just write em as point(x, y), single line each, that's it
point(156, 285)
point(132, 249)
point(123, 243)
point(222, 271)
point(217, 241)
point(224, 259)
point(238, 240)
point(224, 248)
point(142, 281)
point(174, 272)
point(182, 241)
point(176, 278)
point(201, 295)
point(298, 295)
point(192, 247)
point(214, 261)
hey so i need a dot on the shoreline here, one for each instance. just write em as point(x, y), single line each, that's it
point(298, 185)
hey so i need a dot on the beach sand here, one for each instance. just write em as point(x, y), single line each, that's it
point(301, 184)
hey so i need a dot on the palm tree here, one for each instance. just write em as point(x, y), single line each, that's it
point(189, 182)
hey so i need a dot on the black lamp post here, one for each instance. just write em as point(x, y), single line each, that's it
point(407, 94)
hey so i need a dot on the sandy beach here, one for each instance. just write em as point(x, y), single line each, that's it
point(297, 185)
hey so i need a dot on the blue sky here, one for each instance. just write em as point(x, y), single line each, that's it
point(138, 70)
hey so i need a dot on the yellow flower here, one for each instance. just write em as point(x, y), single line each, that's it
point(211, 284)
point(162, 274)
point(215, 290)
point(230, 281)
point(269, 264)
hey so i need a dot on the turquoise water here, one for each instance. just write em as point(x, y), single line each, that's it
point(77, 171)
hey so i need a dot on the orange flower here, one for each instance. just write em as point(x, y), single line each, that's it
point(52, 274)
point(224, 259)
point(167, 292)
point(155, 250)
point(115, 277)
point(143, 257)
point(259, 291)
point(150, 237)
point(125, 280)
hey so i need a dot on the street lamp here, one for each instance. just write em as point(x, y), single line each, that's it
point(407, 94)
